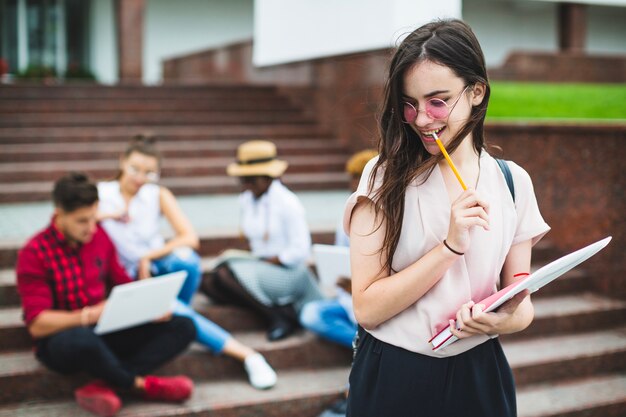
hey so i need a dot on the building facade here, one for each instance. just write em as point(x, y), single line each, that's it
point(128, 40)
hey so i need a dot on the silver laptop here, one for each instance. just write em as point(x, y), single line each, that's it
point(331, 262)
point(140, 302)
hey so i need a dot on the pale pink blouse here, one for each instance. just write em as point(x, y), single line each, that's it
point(474, 275)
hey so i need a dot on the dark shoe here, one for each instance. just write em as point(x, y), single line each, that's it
point(338, 409)
point(280, 329)
point(283, 322)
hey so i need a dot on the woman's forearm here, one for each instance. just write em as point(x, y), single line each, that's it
point(386, 297)
point(191, 241)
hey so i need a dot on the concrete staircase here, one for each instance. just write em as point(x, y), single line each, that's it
point(570, 362)
point(45, 131)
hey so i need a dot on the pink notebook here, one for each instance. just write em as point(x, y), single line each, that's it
point(532, 282)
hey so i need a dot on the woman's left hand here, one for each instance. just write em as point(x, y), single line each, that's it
point(472, 320)
point(144, 268)
point(273, 260)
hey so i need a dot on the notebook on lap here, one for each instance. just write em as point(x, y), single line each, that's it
point(331, 262)
point(140, 302)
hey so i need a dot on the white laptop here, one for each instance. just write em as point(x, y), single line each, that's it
point(331, 262)
point(140, 302)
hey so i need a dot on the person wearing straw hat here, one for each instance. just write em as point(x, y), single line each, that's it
point(273, 279)
point(131, 210)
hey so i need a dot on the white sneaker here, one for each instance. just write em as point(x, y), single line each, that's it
point(260, 373)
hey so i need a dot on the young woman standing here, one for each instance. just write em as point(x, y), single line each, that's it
point(423, 248)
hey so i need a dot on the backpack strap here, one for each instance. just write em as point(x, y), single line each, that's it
point(507, 176)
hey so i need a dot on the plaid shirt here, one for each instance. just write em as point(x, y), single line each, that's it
point(51, 274)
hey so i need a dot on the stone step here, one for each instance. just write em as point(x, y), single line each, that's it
point(77, 151)
point(563, 288)
point(552, 358)
point(20, 105)
point(598, 396)
point(213, 244)
point(15, 336)
point(23, 377)
point(8, 289)
point(13, 173)
point(213, 184)
point(154, 118)
point(299, 392)
point(99, 92)
point(210, 245)
point(553, 316)
point(571, 313)
point(93, 134)
point(533, 362)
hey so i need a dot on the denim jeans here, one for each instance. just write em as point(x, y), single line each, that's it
point(328, 319)
point(208, 333)
point(181, 259)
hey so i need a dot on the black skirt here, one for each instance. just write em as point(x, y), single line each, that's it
point(388, 381)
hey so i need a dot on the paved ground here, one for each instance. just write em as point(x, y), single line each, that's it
point(211, 215)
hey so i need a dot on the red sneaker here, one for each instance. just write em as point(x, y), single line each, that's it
point(98, 398)
point(172, 388)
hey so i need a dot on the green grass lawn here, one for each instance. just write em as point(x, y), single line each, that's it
point(539, 101)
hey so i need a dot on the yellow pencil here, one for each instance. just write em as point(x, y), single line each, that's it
point(445, 154)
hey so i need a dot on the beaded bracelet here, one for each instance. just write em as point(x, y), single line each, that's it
point(452, 250)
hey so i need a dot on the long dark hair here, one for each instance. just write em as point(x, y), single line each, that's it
point(403, 158)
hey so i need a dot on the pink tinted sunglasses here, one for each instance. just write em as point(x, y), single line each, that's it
point(435, 108)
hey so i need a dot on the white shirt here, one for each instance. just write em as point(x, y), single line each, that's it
point(275, 225)
point(473, 276)
point(141, 234)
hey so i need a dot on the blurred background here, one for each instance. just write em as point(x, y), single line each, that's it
point(80, 77)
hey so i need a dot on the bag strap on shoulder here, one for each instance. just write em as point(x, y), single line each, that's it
point(507, 176)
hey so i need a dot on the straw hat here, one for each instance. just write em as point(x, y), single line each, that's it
point(257, 158)
point(356, 164)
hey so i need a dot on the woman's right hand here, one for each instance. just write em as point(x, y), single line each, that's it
point(469, 210)
point(120, 216)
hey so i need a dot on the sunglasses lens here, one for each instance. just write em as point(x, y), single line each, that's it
point(436, 108)
point(409, 114)
point(152, 177)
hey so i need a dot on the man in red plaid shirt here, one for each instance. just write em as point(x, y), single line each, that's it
point(63, 275)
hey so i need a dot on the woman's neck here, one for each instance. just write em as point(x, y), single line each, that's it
point(467, 163)
point(464, 155)
point(126, 193)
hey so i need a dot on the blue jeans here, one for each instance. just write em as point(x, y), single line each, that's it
point(208, 333)
point(328, 319)
point(181, 259)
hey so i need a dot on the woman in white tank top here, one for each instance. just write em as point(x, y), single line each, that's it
point(131, 208)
